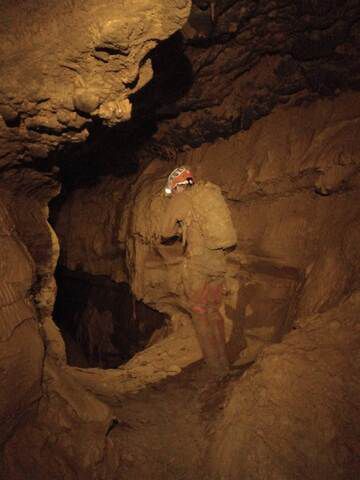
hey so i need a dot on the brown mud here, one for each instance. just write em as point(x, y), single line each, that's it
point(165, 430)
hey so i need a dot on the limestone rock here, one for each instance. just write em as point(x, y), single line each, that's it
point(289, 238)
point(69, 434)
point(44, 413)
point(63, 50)
point(101, 238)
point(293, 413)
point(85, 101)
point(254, 56)
point(22, 349)
point(291, 180)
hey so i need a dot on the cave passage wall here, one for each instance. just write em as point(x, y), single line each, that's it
point(292, 184)
point(260, 98)
point(81, 61)
point(60, 62)
point(252, 57)
point(293, 203)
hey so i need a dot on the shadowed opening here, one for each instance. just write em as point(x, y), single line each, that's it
point(101, 322)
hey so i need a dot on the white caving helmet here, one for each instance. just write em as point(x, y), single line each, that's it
point(181, 176)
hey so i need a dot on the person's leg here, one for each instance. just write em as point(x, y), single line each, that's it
point(207, 341)
point(217, 322)
point(209, 325)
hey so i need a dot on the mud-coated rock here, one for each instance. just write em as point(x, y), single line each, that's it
point(290, 239)
point(22, 349)
point(63, 64)
point(294, 414)
point(86, 101)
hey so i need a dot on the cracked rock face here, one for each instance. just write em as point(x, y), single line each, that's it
point(254, 56)
point(73, 63)
point(42, 410)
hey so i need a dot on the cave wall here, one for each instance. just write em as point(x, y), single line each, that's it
point(65, 67)
point(295, 413)
point(294, 194)
point(292, 186)
point(29, 211)
point(252, 57)
point(48, 423)
point(292, 189)
point(100, 65)
point(296, 265)
point(98, 248)
point(22, 349)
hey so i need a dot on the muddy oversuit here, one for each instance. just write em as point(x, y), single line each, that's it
point(201, 218)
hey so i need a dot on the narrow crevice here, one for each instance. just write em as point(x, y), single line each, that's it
point(101, 322)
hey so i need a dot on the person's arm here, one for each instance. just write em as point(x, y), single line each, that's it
point(169, 247)
point(176, 212)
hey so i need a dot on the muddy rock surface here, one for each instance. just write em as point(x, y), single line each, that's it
point(81, 61)
point(245, 58)
point(288, 198)
point(99, 101)
point(303, 423)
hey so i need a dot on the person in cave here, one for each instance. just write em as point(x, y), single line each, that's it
point(198, 217)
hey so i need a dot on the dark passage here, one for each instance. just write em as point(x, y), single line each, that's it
point(101, 322)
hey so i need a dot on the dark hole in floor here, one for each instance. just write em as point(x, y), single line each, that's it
point(101, 322)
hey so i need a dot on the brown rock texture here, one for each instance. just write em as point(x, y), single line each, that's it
point(295, 414)
point(67, 439)
point(72, 64)
point(292, 183)
point(292, 202)
point(99, 248)
point(252, 57)
point(260, 98)
point(44, 413)
point(68, 64)
point(22, 349)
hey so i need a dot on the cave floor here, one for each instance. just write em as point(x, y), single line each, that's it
point(164, 430)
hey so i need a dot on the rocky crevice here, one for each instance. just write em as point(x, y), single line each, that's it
point(101, 322)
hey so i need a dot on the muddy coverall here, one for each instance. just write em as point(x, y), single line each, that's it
point(201, 218)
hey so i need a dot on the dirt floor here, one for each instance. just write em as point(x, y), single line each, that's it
point(164, 431)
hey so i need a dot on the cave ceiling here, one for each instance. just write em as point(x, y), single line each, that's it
point(256, 55)
point(71, 64)
point(93, 83)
